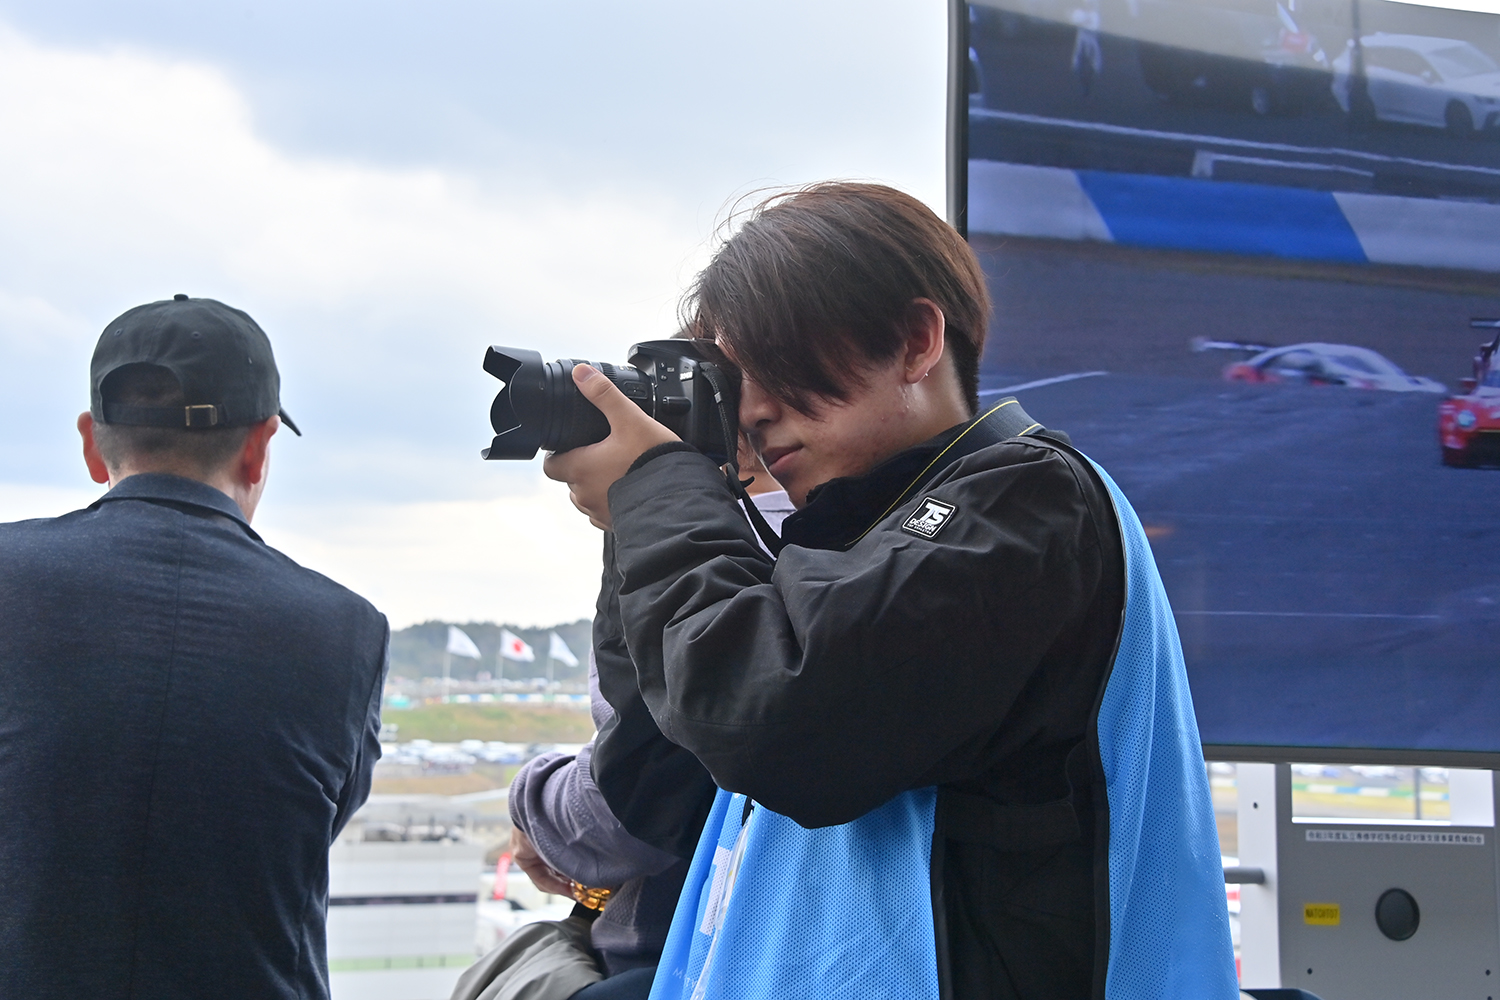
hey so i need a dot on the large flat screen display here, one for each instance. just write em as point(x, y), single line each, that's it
point(1247, 253)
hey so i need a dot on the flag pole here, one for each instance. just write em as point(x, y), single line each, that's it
point(447, 667)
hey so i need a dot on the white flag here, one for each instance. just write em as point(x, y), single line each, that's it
point(559, 651)
point(459, 643)
point(512, 648)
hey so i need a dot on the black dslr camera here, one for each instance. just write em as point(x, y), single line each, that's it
point(686, 385)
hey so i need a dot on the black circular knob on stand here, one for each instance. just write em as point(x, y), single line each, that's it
point(1397, 915)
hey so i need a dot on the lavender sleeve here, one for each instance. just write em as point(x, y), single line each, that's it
point(554, 801)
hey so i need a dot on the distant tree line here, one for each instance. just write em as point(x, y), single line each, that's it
point(417, 651)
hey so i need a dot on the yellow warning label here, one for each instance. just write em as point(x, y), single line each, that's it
point(1321, 914)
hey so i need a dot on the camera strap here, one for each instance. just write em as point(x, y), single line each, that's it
point(758, 521)
point(722, 397)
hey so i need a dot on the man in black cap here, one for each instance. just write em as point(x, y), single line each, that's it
point(189, 717)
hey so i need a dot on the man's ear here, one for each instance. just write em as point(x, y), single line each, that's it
point(925, 338)
point(251, 464)
point(98, 471)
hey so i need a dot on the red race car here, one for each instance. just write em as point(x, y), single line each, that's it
point(1469, 423)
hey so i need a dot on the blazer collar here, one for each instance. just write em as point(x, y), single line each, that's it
point(177, 491)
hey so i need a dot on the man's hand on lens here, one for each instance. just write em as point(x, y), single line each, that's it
point(543, 876)
point(591, 470)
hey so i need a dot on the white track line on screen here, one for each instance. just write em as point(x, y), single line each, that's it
point(1280, 147)
point(1304, 614)
point(1041, 382)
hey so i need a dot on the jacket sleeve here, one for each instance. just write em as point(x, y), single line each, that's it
point(553, 799)
point(841, 678)
point(357, 789)
point(658, 791)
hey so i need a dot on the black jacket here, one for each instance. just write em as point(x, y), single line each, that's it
point(187, 720)
point(870, 660)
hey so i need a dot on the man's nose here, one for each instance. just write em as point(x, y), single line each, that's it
point(757, 407)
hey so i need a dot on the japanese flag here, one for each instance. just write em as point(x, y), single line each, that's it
point(560, 652)
point(459, 643)
point(512, 648)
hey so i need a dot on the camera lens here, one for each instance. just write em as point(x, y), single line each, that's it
point(568, 420)
point(540, 407)
point(686, 385)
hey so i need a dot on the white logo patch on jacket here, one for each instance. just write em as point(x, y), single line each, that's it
point(929, 518)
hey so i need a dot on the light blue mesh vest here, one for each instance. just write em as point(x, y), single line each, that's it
point(773, 910)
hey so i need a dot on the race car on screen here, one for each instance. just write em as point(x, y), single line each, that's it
point(1329, 364)
point(1469, 423)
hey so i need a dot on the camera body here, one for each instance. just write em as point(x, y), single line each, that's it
point(685, 385)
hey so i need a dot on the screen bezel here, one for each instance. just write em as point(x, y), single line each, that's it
point(958, 116)
point(957, 164)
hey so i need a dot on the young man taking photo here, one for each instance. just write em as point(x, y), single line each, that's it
point(922, 664)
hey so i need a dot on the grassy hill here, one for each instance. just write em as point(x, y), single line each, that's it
point(507, 723)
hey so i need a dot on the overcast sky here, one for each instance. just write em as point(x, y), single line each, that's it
point(388, 187)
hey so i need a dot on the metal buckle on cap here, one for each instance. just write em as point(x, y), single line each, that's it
point(213, 414)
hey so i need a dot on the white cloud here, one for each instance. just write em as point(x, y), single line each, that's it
point(124, 178)
point(529, 559)
point(131, 169)
point(127, 175)
point(22, 502)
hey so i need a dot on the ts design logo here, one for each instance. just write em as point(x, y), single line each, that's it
point(929, 518)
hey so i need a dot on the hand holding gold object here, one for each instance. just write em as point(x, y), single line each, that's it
point(594, 899)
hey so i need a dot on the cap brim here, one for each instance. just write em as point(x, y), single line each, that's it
point(288, 421)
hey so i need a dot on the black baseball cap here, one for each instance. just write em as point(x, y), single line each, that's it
point(220, 356)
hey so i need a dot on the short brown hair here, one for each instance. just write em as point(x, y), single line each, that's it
point(815, 288)
point(202, 450)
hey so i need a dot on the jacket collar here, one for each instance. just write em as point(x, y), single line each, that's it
point(842, 511)
point(177, 491)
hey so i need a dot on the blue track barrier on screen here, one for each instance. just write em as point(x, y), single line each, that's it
point(1183, 213)
point(1221, 216)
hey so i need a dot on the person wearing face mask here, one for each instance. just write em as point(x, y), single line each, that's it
point(908, 712)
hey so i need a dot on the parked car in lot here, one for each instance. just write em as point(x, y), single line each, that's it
point(1422, 80)
point(1469, 422)
point(1329, 364)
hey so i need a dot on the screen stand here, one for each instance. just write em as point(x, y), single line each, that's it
point(1368, 910)
point(1260, 944)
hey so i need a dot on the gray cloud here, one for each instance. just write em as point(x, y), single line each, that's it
point(695, 99)
point(390, 187)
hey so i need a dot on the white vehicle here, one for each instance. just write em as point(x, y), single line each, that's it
point(1422, 80)
point(1329, 364)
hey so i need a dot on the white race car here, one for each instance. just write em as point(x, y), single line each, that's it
point(1329, 364)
